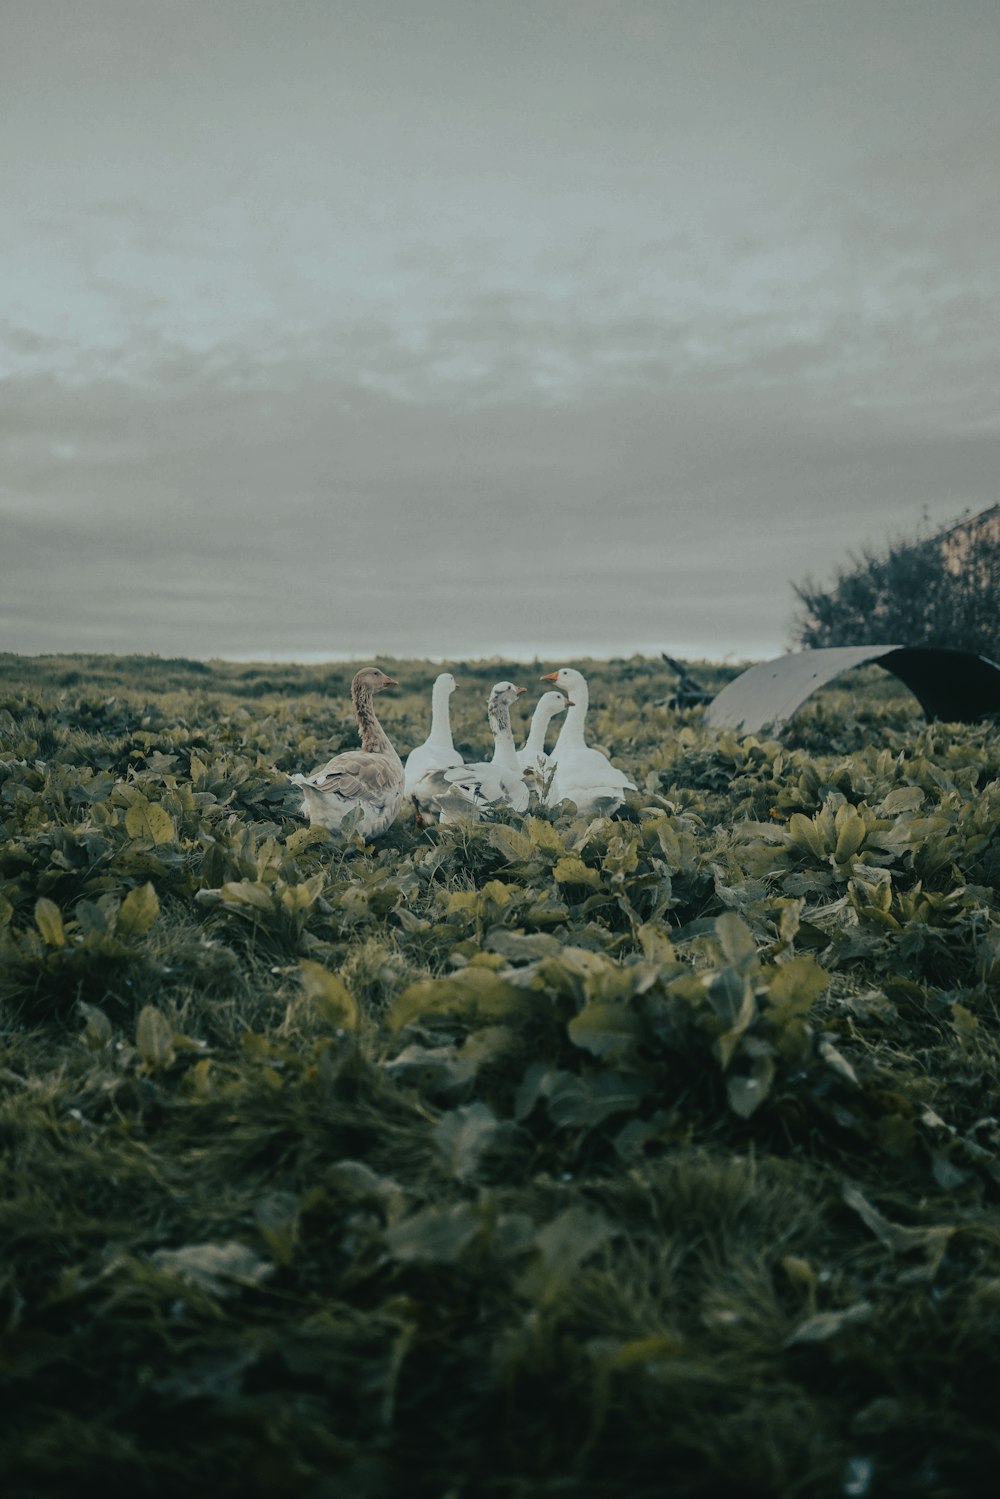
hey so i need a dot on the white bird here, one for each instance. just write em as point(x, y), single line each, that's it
point(532, 756)
point(438, 750)
point(486, 783)
point(581, 774)
point(369, 779)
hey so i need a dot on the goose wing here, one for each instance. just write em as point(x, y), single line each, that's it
point(426, 759)
point(478, 781)
point(356, 775)
point(590, 780)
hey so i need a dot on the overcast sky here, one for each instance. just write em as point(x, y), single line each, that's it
point(463, 327)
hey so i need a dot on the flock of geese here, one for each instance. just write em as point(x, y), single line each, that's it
point(373, 780)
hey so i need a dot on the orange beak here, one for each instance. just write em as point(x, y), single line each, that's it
point(549, 677)
point(390, 682)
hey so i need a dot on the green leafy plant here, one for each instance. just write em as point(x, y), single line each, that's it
point(541, 1154)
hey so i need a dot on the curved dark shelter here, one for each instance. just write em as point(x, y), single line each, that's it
point(957, 686)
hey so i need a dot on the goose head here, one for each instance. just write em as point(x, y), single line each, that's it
point(445, 682)
point(571, 681)
point(551, 703)
point(505, 692)
point(498, 707)
point(371, 679)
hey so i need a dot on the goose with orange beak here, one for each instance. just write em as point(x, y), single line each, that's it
point(580, 774)
point(532, 756)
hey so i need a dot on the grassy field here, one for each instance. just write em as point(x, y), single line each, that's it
point(543, 1156)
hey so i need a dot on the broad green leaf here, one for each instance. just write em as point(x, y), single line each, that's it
point(519, 947)
point(94, 916)
point(604, 1029)
point(48, 919)
point(544, 836)
point(729, 993)
point(154, 1038)
point(571, 870)
point(656, 944)
point(794, 986)
point(97, 1032)
point(463, 1136)
point(737, 941)
point(744, 1019)
point(437, 1236)
point(584, 1102)
point(197, 767)
point(496, 893)
point(766, 831)
point(330, 994)
point(622, 857)
point(249, 894)
point(850, 833)
point(789, 920)
point(870, 896)
point(746, 1091)
point(299, 898)
point(433, 1069)
point(359, 1180)
point(515, 846)
point(138, 911)
point(218, 1268)
point(805, 835)
point(149, 822)
point(670, 845)
point(472, 992)
point(572, 1238)
point(563, 976)
point(463, 900)
point(303, 838)
point(902, 799)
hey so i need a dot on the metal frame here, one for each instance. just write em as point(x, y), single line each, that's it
point(957, 686)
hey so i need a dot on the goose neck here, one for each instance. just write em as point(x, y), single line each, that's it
point(571, 733)
point(441, 715)
point(503, 736)
point(535, 742)
point(374, 739)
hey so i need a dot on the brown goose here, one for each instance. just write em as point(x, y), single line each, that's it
point(370, 778)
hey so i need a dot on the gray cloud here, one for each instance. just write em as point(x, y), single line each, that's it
point(453, 327)
point(207, 515)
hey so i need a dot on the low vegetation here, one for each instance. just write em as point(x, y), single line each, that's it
point(941, 591)
point(534, 1156)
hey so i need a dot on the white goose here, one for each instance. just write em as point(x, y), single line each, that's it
point(369, 779)
point(532, 756)
point(581, 774)
point(438, 750)
point(487, 783)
